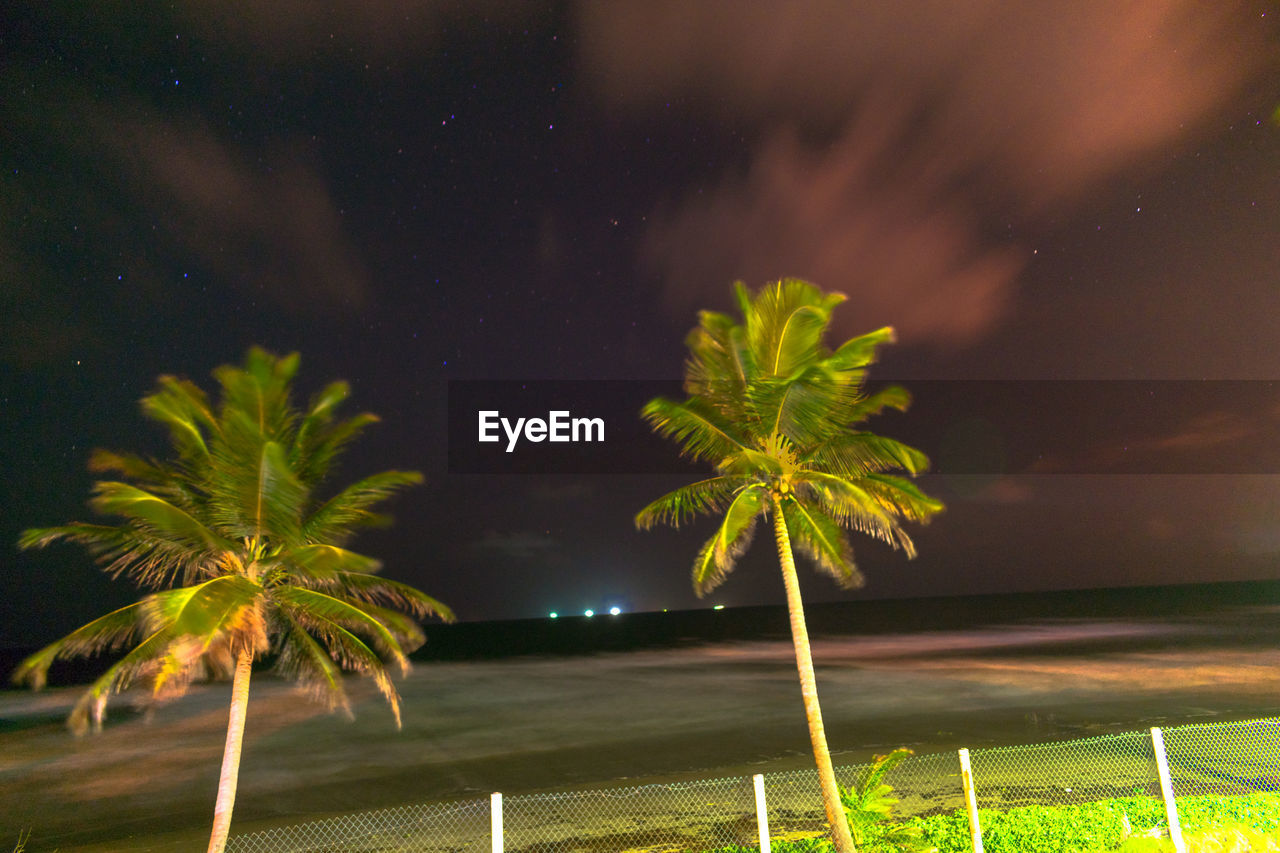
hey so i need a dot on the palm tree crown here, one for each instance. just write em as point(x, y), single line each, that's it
point(242, 551)
point(777, 413)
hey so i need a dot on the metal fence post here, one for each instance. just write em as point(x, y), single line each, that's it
point(762, 813)
point(970, 801)
point(1166, 790)
point(495, 821)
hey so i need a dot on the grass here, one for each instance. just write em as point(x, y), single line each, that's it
point(1211, 824)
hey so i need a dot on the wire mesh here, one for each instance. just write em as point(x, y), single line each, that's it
point(1067, 772)
point(461, 827)
point(695, 817)
point(1224, 758)
point(684, 816)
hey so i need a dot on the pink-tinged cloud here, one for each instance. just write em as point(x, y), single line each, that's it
point(904, 257)
point(895, 139)
point(274, 230)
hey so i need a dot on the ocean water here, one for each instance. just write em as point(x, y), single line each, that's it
point(521, 707)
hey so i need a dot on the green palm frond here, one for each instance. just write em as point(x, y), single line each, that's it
point(853, 506)
point(345, 647)
point(889, 397)
point(785, 326)
point(322, 561)
point(147, 560)
point(804, 408)
point(103, 634)
point(699, 429)
point(255, 493)
point(337, 518)
point(155, 514)
point(315, 454)
point(720, 553)
point(299, 657)
point(853, 454)
point(719, 365)
point(820, 538)
point(182, 407)
point(902, 497)
point(309, 604)
point(132, 466)
point(224, 515)
point(384, 591)
point(861, 351)
point(688, 502)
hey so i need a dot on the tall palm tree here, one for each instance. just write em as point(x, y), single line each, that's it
point(775, 413)
point(244, 553)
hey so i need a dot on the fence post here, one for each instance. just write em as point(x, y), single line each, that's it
point(1166, 790)
point(495, 821)
point(762, 813)
point(970, 801)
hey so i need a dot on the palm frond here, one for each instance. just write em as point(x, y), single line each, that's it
point(820, 538)
point(313, 456)
point(300, 658)
point(718, 366)
point(380, 590)
point(854, 506)
point(805, 408)
point(130, 465)
point(183, 407)
point(321, 561)
point(889, 397)
point(306, 604)
point(785, 325)
point(255, 397)
point(720, 553)
point(255, 494)
point(147, 560)
point(688, 502)
point(344, 646)
point(858, 453)
point(700, 431)
point(155, 514)
point(335, 519)
point(861, 351)
point(902, 497)
point(103, 634)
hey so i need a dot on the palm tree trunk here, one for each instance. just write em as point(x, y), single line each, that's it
point(231, 754)
point(809, 688)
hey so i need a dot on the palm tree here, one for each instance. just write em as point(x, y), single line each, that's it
point(775, 413)
point(244, 553)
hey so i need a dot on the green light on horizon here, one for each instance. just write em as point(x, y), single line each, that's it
point(555, 615)
point(718, 607)
point(588, 613)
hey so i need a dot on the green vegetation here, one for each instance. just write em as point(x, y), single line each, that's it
point(1211, 824)
point(868, 806)
point(776, 414)
point(245, 552)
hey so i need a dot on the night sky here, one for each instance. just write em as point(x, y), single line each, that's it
point(410, 193)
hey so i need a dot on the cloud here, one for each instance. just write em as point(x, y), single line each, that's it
point(899, 146)
point(267, 225)
point(518, 545)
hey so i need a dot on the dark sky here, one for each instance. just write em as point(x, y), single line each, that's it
point(415, 192)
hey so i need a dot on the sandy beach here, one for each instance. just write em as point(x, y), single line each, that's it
point(625, 718)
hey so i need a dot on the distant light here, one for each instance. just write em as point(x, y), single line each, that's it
point(555, 615)
point(588, 613)
point(718, 607)
point(614, 611)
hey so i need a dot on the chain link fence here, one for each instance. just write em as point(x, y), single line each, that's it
point(715, 814)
